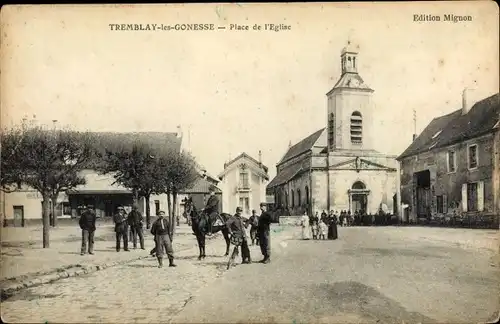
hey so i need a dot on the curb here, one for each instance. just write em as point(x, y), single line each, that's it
point(68, 272)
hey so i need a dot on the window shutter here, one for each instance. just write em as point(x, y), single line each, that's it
point(445, 204)
point(434, 205)
point(464, 197)
point(480, 196)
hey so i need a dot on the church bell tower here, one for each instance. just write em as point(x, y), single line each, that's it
point(349, 120)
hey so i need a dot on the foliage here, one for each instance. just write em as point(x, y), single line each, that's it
point(48, 161)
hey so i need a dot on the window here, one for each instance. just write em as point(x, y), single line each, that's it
point(331, 130)
point(299, 198)
point(157, 207)
point(356, 128)
point(245, 204)
point(293, 198)
point(451, 161)
point(307, 195)
point(472, 156)
point(439, 204)
point(66, 208)
point(244, 180)
point(472, 197)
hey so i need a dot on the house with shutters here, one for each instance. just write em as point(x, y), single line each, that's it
point(243, 184)
point(452, 167)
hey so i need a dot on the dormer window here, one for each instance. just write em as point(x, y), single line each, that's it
point(437, 134)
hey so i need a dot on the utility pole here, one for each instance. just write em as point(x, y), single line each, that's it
point(414, 124)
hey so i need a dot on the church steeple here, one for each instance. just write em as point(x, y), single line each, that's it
point(348, 58)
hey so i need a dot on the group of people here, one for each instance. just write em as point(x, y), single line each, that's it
point(129, 224)
point(322, 228)
point(260, 233)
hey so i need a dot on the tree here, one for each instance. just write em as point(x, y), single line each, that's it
point(182, 174)
point(48, 161)
point(138, 166)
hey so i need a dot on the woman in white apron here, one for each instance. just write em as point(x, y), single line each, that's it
point(306, 230)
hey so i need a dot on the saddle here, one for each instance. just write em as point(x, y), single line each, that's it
point(217, 220)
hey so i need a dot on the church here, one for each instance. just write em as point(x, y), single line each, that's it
point(336, 167)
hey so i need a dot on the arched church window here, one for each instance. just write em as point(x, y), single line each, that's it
point(354, 62)
point(331, 130)
point(299, 198)
point(358, 185)
point(293, 198)
point(356, 128)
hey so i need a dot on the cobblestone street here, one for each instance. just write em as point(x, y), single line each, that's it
point(133, 292)
point(368, 275)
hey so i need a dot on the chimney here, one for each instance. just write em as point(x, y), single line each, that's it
point(414, 137)
point(260, 156)
point(179, 131)
point(467, 100)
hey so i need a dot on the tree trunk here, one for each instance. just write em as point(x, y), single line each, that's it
point(46, 220)
point(135, 197)
point(148, 211)
point(169, 204)
point(174, 212)
point(53, 210)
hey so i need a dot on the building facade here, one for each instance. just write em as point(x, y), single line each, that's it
point(336, 168)
point(452, 167)
point(243, 184)
point(25, 205)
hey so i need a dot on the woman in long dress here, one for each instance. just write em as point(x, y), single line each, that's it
point(306, 230)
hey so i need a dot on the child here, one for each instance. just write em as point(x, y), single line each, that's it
point(323, 230)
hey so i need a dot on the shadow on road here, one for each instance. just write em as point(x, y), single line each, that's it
point(357, 298)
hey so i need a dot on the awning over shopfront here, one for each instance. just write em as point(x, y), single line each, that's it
point(99, 192)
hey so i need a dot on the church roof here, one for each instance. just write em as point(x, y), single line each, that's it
point(303, 146)
point(455, 127)
point(351, 80)
point(286, 175)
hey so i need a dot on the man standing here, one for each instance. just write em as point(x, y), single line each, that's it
point(121, 229)
point(87, 224)
point(211, 209)
point(135, 220)
point(236, 228)
point(264, 234)
point(254, 223)
point(163, 244)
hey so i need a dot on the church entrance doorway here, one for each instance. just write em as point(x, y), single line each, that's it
point(358, 198)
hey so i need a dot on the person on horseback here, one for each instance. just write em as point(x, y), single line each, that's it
point(211, 210)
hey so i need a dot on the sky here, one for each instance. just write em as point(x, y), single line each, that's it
point(241, 91)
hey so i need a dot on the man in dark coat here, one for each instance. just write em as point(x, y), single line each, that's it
point(87, 224)
point(121, 229)
point(211, 209)
point(254, 224)
point(236, 227)
point(135, 220)
point(264, 233)
point(163, 243)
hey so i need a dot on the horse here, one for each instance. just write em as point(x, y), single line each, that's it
point(199, 225)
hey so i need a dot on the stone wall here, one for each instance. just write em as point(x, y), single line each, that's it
point(450, 183)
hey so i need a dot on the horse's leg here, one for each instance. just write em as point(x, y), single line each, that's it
point(198, 239)
point(203, 246)
point(225, 233)
point(233, 256)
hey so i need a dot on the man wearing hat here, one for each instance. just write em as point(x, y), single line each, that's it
point(121, 229)
point(163, 242)
point(264, 233)
point(211, 209)
point(236, 227)
point(87, 224)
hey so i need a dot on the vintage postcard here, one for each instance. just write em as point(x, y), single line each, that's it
point(250, 163)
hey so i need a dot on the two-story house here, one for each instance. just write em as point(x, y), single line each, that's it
point(243, 184)
point(25, 205)
point(452, 166)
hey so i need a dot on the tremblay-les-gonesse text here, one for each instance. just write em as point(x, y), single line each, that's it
point(195, 27)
